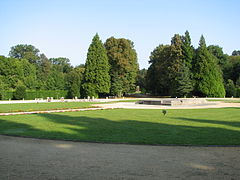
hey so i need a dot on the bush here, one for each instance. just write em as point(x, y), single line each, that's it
point(230, 89)
point(238, 92)
point(20, 92)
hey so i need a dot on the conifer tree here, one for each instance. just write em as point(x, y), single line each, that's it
point(179, 68)
point(188, 50)
point(207, 74)
point(183, 84)
point(96, 75)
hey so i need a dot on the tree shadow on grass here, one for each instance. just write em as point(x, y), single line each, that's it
point(84, 128)
point(213, 122)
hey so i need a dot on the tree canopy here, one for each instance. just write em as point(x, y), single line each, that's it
point(123, 65)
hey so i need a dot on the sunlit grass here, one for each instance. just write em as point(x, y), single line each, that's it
point(192, 126)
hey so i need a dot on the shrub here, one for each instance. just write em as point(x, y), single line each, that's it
point(20, 92)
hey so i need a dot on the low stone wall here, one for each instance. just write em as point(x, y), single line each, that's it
point(173, 102)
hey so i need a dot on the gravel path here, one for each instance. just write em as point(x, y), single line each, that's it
point(30, 159)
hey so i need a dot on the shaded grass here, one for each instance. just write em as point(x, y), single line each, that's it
point(192, 126)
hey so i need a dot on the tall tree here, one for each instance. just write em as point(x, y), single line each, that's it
point(96, 75)
point(207, 74)
point(123, 65)
point(187, 50)
point(179, 71)
point(158, 79)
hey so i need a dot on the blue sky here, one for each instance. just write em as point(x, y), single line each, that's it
point(61, 28)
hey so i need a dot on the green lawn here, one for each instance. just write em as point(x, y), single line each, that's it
point(50, 106)
point(226, 101)
point(43, 106)
point(195, 127)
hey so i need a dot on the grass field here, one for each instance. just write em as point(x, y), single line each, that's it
point(192, 127)
point(50, 106)
point(43, 106)
point(226, 101)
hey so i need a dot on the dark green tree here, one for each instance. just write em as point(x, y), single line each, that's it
point(73, 80)
point(230, 88)
point(207, 74)
point(218, 53)
point(179, 71)
point(157, 78)
point(96, 75)
point(123, 64)
point(183, 84)
point(187, 50)
point(62, 64)
point(141, 79)
point(3, 88)
point(20, 91)
point(236, 53)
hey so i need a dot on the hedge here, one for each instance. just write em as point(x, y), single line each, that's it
point(32, 94)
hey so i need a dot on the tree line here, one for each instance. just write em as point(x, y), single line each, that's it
point(181, 70)
point(111, 68)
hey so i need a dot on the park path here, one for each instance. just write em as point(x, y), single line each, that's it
point(26, 158)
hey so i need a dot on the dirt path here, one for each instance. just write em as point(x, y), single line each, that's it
point(26, 158)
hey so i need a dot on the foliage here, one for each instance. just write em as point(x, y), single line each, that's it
point(158, 73)
point(232, 68)
point(230, 89)
point(169, 72)
point(32, 94)
point(96, 76)
point(207, 74)
point(74, 79)
point(2, 89)
point(238, 92)
point(183, 84)
point(175, 70)
point(218, 53)
point(24, 51)
point(20, 92)
point(141, 79)
point(236, 53)
point(123, 65)
point(187, 50)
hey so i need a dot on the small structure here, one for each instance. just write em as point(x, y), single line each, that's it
point(174, 102)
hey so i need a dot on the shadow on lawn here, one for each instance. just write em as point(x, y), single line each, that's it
point(216, 122)
point(85, 128)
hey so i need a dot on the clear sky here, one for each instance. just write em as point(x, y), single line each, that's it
point(65, 28)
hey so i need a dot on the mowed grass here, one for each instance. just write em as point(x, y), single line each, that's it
point(226, 101)
point(21, 107)
point(43, 106)
point(189, 127)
